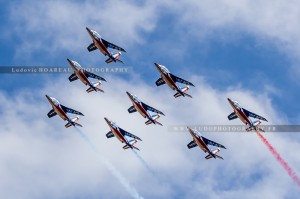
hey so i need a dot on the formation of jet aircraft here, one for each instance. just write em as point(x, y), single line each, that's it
point(121, 135)
point(170, 80)
point(148, 112)
point(144, 109)
point(245, 116)
point(83, 75)
point(61, 110)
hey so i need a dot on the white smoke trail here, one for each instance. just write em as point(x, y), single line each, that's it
point(131, 190)
point(146, 165)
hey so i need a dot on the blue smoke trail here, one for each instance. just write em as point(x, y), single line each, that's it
point(146, 165)
point(131, 190)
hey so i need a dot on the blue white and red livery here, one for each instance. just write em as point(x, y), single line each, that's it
point(83, 75)
point(202, 142)
point(144, 109)
point(103, 45)
point(121, 135)
point(61, 110)
point(245, 116)
point(170, 80)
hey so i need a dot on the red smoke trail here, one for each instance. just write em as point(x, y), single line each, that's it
point(283, 163)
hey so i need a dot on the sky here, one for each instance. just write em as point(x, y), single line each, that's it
point(244, 50)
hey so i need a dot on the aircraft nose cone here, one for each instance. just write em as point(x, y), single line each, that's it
point(106, 120)
point(48, 98)
point(129, 95)
point(69, 60)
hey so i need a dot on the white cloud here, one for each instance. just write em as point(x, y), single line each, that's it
point(39, 156)
point(60, 25)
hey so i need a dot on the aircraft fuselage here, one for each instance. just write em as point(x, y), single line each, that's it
point(115, 130)
point(57, 108)
point(240, 113)
point(199, 141)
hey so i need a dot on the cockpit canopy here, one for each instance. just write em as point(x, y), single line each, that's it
point(164, 69)
point(237, 104)
point(96, 34)
point(55, 101)
point(135, 98)
point(76, 64)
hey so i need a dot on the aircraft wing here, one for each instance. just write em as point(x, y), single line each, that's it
point(250, 114)
point(73, 77)
point(69, 110)
point(125, 133)
point(159, 82)
point(92, 75)
point(209, 142)
point(192, 144)
point(232, 116)
point(131, 109)
point(51, 113)
point(110, 45)
point(149, 108)
point(180, 80)
point(110, 134)
point(91, 47)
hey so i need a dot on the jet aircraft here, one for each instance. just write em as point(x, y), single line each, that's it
point(103, 45)
point(83, 75)
point(245, 116)
point(202, 142)
point(144, 109)
point(59, 109)
point(121, 135)
point(170, 80)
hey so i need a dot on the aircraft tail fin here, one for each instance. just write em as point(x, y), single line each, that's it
point(73, 122)
point(95, 87)
point(182, 92)
point(131, 145)
point(255, 127)
point(153, 120)
point(213, 154)
point(114, 58)
point(127, 147)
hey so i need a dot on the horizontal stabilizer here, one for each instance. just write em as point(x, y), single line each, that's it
point(127, 147)
point(97, 89)
point(210, 156)
point(114, 58)
point(178, 94)
point(75, 124)
point(148, 122)
point(153, 120)
point(109, 60)
point(110, 134)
